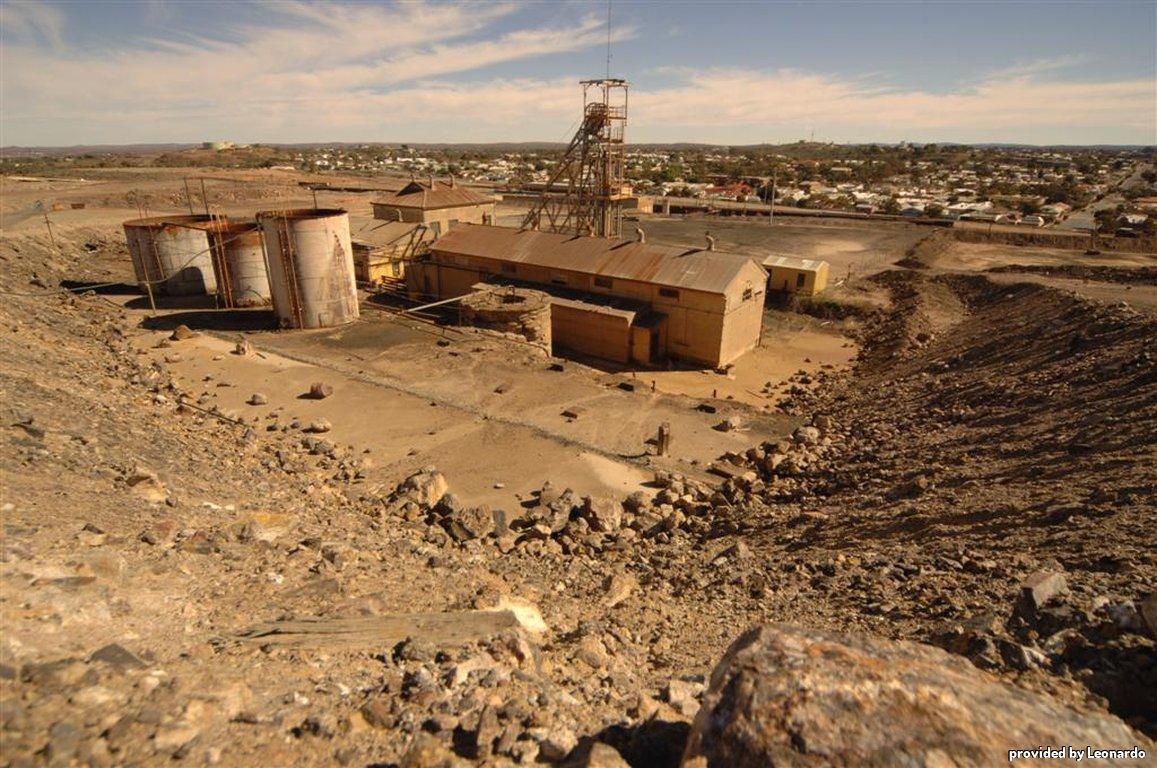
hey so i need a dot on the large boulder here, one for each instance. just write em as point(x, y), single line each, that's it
point(785, 696)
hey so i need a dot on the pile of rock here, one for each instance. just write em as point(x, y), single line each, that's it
point(1107, 642)
point(783, 470)
point(557, 521)
point(480, 701)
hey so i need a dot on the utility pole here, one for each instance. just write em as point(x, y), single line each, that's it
point(771, 199)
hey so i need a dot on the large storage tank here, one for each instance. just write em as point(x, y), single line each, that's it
point(311, 266)
point(173, 252)
point(239, 264)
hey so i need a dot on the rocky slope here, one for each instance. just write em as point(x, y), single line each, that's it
point(183, 583)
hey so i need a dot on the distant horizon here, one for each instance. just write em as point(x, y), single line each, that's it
point(726, 73)
point(160, 145)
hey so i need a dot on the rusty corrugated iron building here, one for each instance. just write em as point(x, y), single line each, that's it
point(437, 204)
point(644, 302)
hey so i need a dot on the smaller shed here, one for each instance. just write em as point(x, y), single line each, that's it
point(382, 250)
point(788, 274)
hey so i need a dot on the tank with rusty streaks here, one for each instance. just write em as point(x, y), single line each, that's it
point(311, 266)
point(173, 253)
point(239, 264)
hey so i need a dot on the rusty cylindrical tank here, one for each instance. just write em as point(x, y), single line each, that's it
point(311, 266)
point(239, 264)
point(172, 252)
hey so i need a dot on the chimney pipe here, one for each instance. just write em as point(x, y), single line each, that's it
point(710, 242)
point(640, 235)
point(452, 181)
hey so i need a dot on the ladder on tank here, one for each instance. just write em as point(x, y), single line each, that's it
point(217, 242)
point(289, 269)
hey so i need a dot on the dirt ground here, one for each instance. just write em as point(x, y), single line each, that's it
point(188, 576)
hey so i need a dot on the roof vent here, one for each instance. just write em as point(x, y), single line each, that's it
point(640, 235)
point(710, 242)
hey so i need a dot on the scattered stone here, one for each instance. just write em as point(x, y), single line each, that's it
point(730, 424)
point(604, 514)
point(556, 744)
point(469, 523)
point(318, 427)
point(257, 399)
point(807, 436)
point(117, 656)
point(618, 588)
point(684, 695)
point(426, 487)
point(1039, 589)
point(1149, 614)
point(145, 483)
point(603, 756)
point(319, 391)
point(182, 332)
point(243, 347)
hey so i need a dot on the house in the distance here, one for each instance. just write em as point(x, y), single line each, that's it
point(437, 204)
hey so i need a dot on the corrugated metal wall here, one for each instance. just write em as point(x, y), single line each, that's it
point(591, 333)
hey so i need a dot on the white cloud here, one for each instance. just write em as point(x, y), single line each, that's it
point(31, 20)
point(790, 103)
point(352, 72)
point(301, 58)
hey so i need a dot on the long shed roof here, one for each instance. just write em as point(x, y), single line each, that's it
point(679, 267)
point(435, 194)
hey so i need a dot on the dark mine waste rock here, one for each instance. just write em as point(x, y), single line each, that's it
point(787, 696)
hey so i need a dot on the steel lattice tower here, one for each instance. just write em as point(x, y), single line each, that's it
point(585, 192)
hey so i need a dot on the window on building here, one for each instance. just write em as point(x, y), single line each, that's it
point(668, 293)
point(748, 293)
point(799, 280)
point(604, 282)
point(509, 269)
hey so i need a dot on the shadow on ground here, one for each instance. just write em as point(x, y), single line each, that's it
point(215, 320)
point(104, 289)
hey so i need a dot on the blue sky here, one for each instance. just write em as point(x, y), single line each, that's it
point(732, 73)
